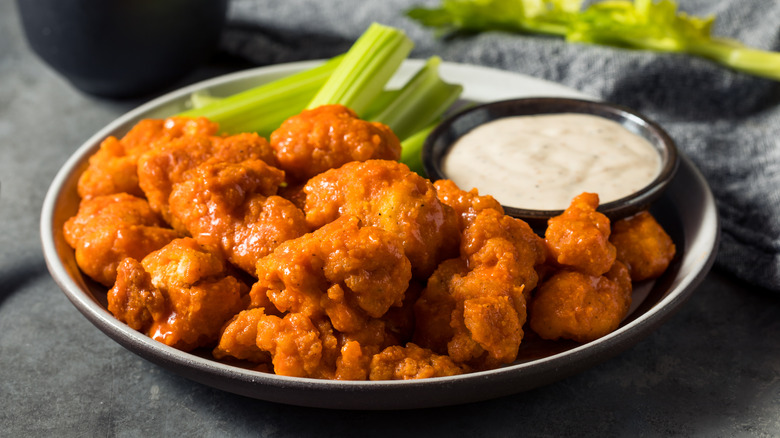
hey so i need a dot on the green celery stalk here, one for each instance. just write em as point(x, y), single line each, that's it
point(367, 67)
point(200, 99)
point(549, 17)
point(638, 24)
point(421, 101)
point(411, 150)
point(756, 62)
point(380, 102)
point(263, 108)
point(658, 26)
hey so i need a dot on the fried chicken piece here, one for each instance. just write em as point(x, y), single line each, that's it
point(386, 194)
point(466, 204)
point(109, 228)
point(171, 162)
point(113, 168)
point(488, 318)
point(232, 206)
point(411, 362)
point(363, 337)
point(239, 338)
point(299, 346)
point(349, 272)
point(579, 237)
point(296, 345)
point(474, 307)
point(353, 362)
point(347, 275)
point(483, 241)
point(642, 245)
point(180, 295)
point(581, 307)
point(327, 137)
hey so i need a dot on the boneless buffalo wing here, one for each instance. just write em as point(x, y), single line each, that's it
point(386, 194)
point(233, 206)
point(328, 137)
point(643, 246)
point(180, 295)
point(474, 307)
point(587, 289)
point(173, 160)
point(113, 169)
point(317, 254)
point(579, 306)
point(109, 228)
point(579, 238)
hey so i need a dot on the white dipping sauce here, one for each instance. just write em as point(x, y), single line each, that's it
point(541, 162)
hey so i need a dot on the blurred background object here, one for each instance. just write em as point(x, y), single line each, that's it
point(123, 48)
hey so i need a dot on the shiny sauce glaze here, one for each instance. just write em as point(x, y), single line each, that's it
point(541, 162)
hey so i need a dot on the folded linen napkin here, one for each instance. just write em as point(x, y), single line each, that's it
point(728, 123)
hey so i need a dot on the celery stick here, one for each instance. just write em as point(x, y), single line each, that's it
point(422, 100)
point(639, 24)
point(262, 109)
point(365, 70)
point(411, 149)
point(756, 62)
point(200, 99)
point(380, 102)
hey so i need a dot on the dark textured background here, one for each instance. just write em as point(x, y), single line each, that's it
point(712, 370)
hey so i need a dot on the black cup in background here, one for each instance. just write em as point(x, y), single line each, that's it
point(122, 48)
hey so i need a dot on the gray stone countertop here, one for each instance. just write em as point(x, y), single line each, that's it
point(712, 370)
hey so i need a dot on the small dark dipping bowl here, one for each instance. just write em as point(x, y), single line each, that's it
point(450, 130)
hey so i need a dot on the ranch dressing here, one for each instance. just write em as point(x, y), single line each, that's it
point(541, 162)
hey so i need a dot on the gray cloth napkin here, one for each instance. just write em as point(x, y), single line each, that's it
point(728, 123)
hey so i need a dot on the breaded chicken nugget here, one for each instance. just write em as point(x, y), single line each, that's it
point(642, 245)
point(299, 347)
point(344, 270)
point(113, 168)
point(581, 307)
point(109, 228)
point(180, 295)
point(232, 206)
point(239, 338)
point(386, 194)
point(411, 362)
point(474, 307)
point(466, 204)
point(171, 161)
point(328, 137)
point(579, 237)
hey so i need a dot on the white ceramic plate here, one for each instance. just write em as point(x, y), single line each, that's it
point(687, 211)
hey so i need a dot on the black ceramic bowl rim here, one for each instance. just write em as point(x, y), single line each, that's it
point(440, 140)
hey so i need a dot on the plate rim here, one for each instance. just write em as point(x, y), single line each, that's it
point(617, 341)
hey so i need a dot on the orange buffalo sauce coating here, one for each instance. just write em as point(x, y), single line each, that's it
point(109, 228)
point(411, 362)
point(179, 295)
point(387, 195)
point(234, 207)
point(318, 255)
point(113, 169)
point(172, 161)
point(328, 137)
point(578, 306)
point(579, 238)
point(643, 246)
